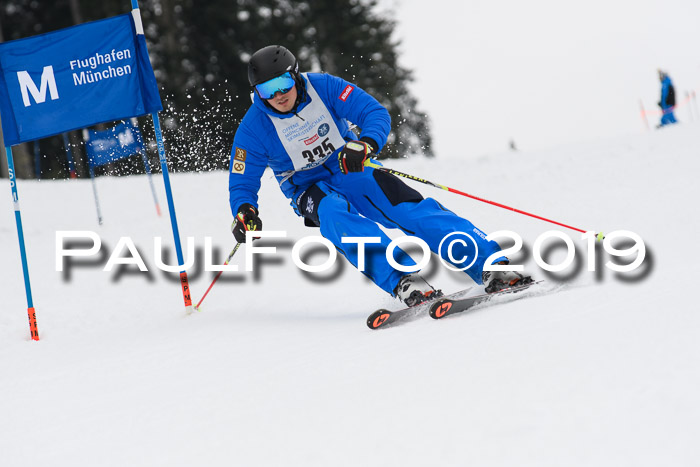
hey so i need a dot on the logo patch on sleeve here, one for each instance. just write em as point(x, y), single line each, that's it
point(240, 154)
point(238, 167)
point(344, 95)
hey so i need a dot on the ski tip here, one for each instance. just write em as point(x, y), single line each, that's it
point(440, 308)
point(378, 318)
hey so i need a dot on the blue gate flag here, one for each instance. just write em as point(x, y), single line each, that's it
point(74, 78)
point(116, 143)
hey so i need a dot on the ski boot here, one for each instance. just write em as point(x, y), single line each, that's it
point(499, 280)
point(413, 290)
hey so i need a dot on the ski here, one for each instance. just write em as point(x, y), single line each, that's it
point(447, 306)
point(384, 318)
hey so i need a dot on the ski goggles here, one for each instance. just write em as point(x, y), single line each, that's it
point(283, 83)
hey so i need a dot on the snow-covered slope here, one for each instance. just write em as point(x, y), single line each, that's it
point(280, 369)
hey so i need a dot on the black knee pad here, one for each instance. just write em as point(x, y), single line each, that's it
point(308, 204)
point(395, 190)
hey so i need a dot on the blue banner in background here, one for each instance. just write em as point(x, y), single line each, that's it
point(74, 78)
point(116, 143)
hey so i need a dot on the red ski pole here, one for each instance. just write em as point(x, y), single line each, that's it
point(370, 163)
point(235, 249)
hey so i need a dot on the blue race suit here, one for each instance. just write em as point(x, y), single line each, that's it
point(667, 102)
point(302, 146)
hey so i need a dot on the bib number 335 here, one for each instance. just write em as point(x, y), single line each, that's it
point(320, 151)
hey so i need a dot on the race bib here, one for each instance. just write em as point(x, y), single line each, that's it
point(311, 139)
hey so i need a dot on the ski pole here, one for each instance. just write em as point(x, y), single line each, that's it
point(233, 252)
point(374, 165)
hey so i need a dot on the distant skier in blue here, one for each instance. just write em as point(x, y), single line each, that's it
point(668, 99)
point(298, 126)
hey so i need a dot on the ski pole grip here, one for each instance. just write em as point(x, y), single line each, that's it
point(370, 163)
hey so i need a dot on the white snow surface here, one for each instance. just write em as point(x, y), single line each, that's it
point(280, 370)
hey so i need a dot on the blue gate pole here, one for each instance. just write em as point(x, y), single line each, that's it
point(91, 167)
point(146, 165)
point(136, 14)
point(33, 329)
point(37, 160)
point(94, 193)
point(173, 219)
point(69, 157)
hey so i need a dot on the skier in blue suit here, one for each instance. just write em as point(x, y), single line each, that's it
point(668, 99)
point(298, 126)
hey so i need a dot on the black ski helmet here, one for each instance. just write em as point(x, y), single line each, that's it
point(269, 62)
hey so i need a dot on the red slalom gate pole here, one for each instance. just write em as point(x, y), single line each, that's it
point(643, 114)
point(235, 249)
point(376, 166)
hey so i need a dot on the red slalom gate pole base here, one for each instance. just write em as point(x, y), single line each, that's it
point(186, 292)
point(33, 329)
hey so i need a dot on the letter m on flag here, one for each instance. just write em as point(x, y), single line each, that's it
point(27, 86)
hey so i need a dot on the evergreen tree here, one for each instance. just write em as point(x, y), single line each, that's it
point(199, 52)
